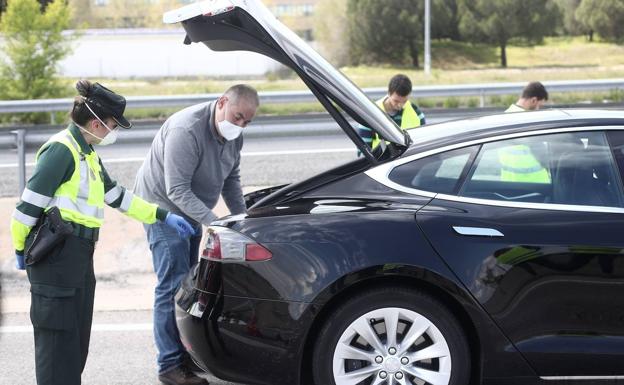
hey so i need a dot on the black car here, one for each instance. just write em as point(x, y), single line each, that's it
point(481, 251)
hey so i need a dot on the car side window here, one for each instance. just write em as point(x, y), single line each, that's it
point(574, 168)
point(440, 173)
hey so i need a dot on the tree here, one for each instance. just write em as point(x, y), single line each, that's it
point(606, 17)
point(34, 45)
point(499, 21)
point(391, 31)
point(331, 31)
point(568, 9)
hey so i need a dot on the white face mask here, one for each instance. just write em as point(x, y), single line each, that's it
point(228, 130)
point(110, 138)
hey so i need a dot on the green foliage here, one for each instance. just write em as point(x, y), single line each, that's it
point(391, 31)
point(331, 31)
point(606, 17)
point(499, 21)
point(34, 45)
point(451, 102)
point(571, 26)
point(616, 96)
point(473, 102)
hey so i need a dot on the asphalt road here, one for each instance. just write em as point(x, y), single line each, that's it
point(126, 335)
point(265, 161)
point(121, 352)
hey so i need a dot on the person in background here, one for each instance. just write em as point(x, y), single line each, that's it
point(194, 158)
point(518, 162)
point(70, 176)
point(399, 108)
point(533, 97)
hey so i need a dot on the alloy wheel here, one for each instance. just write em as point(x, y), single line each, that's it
point(392, 346)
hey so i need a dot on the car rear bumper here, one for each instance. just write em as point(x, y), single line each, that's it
point(241, 339)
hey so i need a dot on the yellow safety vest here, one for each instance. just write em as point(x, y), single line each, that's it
point(515, 108)
point(409, 119)
point(518, 164)
point(80, 199)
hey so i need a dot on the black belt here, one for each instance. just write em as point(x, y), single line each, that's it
point(90, 233)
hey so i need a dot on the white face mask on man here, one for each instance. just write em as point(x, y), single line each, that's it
point(109, 138)
point(229, 130)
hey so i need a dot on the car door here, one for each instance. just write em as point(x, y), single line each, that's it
point(544, 255)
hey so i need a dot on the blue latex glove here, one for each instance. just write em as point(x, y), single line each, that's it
point(19, 262)
point(180, 224)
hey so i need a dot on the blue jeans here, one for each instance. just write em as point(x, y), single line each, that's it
point(173, 258)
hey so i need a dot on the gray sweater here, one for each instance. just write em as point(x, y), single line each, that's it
point(190, 165)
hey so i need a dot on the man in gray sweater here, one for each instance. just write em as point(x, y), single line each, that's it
point(194, 158)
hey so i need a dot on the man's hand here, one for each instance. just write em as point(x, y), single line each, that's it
point(19, 262)
point(180, 224)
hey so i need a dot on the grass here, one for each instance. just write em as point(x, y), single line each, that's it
point(452, 63)
point(560, 58)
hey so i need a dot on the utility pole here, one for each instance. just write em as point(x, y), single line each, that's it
point(427, 37)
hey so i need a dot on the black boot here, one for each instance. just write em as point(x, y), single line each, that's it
point(181, 375)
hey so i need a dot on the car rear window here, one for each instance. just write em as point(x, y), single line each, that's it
point(440, 173)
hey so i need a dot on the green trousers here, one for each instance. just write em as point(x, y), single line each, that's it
point(62, 288)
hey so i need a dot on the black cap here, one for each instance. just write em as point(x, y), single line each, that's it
point(108, 103)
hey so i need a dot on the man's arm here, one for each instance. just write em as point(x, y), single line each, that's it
point(420, 114)
point(126, 202)
point(232, 191)
point(366, 134)
point(181, 158)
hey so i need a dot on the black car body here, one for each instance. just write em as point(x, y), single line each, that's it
point(424, 261)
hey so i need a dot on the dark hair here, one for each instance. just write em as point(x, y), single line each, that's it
point(535, 90)
point(400, 84)
point(80, 113)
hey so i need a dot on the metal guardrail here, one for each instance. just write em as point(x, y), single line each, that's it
point(283, 97)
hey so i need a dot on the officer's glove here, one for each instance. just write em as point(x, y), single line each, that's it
point(180, 224)
point(19, 262)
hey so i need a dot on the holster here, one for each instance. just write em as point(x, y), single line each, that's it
point(49, 231)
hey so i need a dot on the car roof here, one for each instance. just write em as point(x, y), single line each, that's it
point(457, 131)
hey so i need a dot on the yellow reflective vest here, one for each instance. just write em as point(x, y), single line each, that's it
point(81, 198)
point(518, 164)
point(409, 119)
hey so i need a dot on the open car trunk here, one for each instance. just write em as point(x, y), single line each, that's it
point(247, 25)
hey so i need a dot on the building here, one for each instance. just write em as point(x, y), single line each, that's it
point(298, 15)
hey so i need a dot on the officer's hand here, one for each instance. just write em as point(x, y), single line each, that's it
point(19, 262)
point(181, 225)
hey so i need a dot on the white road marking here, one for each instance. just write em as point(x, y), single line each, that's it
point(243, 154)
point(94, 328)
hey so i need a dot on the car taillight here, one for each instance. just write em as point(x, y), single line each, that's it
point(224, 244)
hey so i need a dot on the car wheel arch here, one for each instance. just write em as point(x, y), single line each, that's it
point(414, 278)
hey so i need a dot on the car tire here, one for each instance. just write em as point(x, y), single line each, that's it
point(353, 347)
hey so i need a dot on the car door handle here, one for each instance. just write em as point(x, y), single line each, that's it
point(477, 231)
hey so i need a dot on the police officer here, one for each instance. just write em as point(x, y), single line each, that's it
point(69, 175)
point(399, 108)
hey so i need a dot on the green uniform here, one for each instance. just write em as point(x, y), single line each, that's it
point(70, 176)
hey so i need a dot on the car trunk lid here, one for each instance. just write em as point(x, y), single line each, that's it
point(247, 25)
